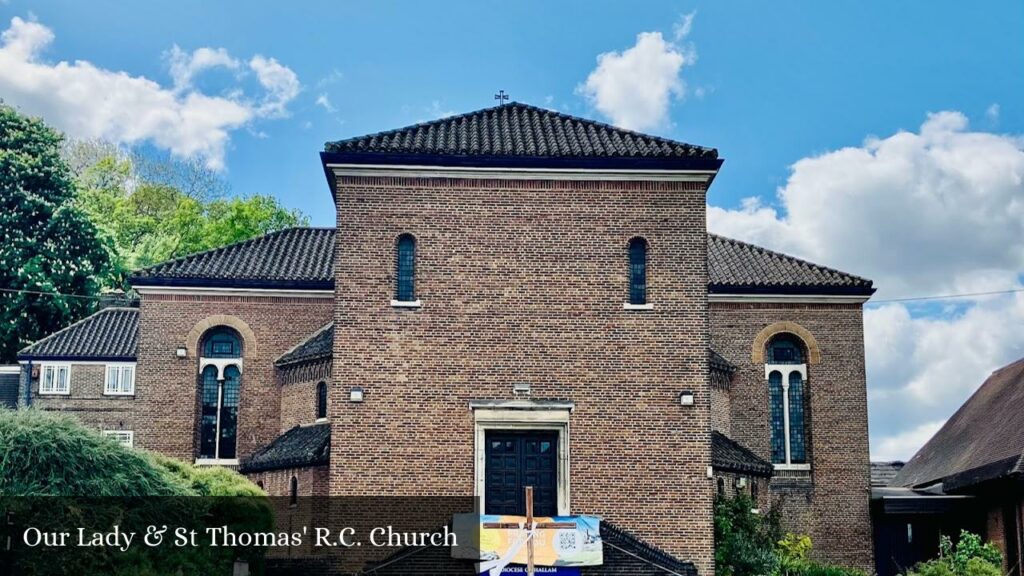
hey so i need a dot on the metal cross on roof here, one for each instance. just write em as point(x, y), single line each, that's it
point(501, 97)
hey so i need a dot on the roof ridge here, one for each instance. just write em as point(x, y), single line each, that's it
point(229, 246)
point(513, 105)
point(769, 251)
point(316, 333)
point(72, 325)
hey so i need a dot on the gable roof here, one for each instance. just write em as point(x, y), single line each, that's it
point(728, 455)
point(110, 334)
point(982, 441)
point(319, 345)
point(736, 267)
point(295, 258)
point(520, 135)
point(882, 473)
point(303, 258)
point(297, 448)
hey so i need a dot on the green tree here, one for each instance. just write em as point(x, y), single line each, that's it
point(145, 218)
point(46, 244)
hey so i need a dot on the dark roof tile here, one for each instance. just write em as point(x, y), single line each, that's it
point(982, 441)
point(728, 455)
point(739, 267)
point(521, 131)
point(319, 345)
point(297, 448)
point(882, 473)
point(110, 334)
point(292, 258)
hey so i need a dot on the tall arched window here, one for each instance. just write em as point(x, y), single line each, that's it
point(321, 401)
point(786, 372)
point(405, 269)
point(638, 271)
point(220, 376)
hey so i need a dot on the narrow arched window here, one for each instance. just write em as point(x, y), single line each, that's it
point(220, 382)
point(321, 401)
point(293, 498)
point(786, 372)
point(638, 271)
point(405, 272)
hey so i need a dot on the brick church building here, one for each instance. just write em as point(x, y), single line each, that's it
point(511, 296)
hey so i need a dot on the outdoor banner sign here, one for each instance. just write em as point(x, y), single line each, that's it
point(506, 547)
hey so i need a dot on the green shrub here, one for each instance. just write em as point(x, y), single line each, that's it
point(970, 557)
point(744, 541)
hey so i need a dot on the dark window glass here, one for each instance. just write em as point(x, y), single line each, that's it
point(405, 288)
point(721, 487)
point(229, 412)
point(753, 490)
point(321, 400)
point(638, 271)
point(294, 494)
point(797, 443)
point(778, 425)
point(222, 343)
point(785, 349)
point(208, 418)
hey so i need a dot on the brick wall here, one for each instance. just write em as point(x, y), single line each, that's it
point(298, 392)
point(830, 503)
point(86, 402)
point(524, 281)
point(167, 389)
point(721, 410)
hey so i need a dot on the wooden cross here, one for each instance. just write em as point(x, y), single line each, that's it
point(529, 525)
point(501, 97)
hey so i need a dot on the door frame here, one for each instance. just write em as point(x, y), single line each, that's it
point(521, 420)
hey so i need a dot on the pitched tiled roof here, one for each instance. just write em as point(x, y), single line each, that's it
point(983, 440)
point(728, 455)
point(297, 448)
point(738, 267)
point(718, 362)
point(319, 345)
point(882, 473)
point(110, 334)
point(520, 134)
point(292, 258)
point(304, 258)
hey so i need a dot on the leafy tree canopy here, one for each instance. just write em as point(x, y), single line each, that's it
point(151, 210)
point(46, 244)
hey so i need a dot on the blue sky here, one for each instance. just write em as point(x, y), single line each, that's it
point(791, 93)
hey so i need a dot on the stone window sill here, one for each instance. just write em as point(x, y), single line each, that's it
point(406, 304)
point(638, 307)
point(216, 461)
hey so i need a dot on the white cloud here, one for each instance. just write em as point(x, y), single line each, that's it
point(635, 87)
point(86, 101)
point(684, 26)
point(937, 211)
point(324, 102)
point(184, 66)
point(281, 83)
point(933, 212)
point(992, 113)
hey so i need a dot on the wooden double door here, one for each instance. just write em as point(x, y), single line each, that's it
point(514, 460)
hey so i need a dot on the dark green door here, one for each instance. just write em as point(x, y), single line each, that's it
point(515, 460)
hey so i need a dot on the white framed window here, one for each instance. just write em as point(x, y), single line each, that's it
point(786, 375)
point(120, 380)
point(123, 437)
point(55, 379)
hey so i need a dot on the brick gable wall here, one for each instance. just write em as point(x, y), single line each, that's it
point(831, 502)
point(167, 386)
point(524, 281)
point(86, 401)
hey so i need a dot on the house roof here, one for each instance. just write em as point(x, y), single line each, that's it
point(319, 345)
point(982, 441)
point(110, 334)
point(520, 135)
point(882, 473)
point(739, 267)
point(728, 455)
point(295, 258)
point(303, 258)
point(297, 448)
point(718, 362)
